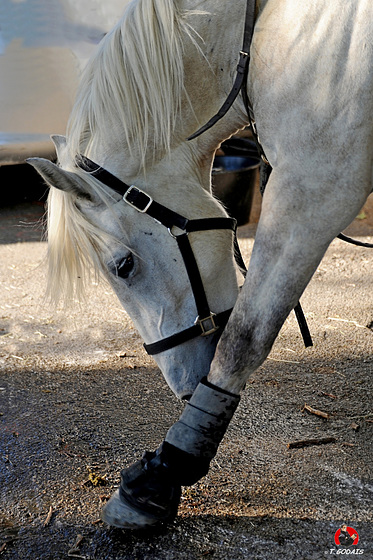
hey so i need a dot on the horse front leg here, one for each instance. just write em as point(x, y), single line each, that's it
point(295, 229)
point(300, 217)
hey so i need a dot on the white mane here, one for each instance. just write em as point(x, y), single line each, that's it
point(137, 77)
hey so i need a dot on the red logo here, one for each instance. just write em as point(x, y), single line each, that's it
point(346, 536)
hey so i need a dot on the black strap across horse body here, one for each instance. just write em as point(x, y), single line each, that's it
point(242, 71)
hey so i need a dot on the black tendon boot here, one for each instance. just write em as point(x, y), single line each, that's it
point(150, 489)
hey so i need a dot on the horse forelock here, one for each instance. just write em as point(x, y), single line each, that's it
point(75, 249)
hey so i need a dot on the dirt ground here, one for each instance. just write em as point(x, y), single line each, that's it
point(80, 400)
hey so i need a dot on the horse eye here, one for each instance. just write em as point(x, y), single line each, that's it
point(124, 266)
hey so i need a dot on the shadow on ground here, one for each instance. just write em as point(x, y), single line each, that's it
point(194, 538)
point(65, 436)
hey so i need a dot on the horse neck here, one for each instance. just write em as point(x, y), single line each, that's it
point(209, 70)
point(209, 78)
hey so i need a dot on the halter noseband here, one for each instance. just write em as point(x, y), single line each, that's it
point(206, 322)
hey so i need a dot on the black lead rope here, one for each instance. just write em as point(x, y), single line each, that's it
point(240, 86)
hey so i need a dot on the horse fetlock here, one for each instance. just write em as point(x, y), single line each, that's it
point(184, 467)
point(147, 495)
point(150, 486)
point(204, 421)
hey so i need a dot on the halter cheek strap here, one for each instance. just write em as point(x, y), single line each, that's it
point(206, 322)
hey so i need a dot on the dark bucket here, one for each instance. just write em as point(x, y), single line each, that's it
point(234, 176)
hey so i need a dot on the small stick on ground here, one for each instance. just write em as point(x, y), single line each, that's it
point(329, 395)
point(315, 411)
point(74, 551)
point(49, 517)
point(308, 442)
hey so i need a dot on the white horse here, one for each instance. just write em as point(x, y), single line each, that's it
point(162, 72)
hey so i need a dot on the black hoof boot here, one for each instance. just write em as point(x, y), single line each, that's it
point(148, 495)
point(150, 489)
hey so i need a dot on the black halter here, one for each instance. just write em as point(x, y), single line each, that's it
point(206, 322)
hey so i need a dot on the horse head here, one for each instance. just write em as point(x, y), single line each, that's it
point(91, 222)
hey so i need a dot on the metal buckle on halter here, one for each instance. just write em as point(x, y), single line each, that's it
point(207, 329)
point(141, 205)
point(169, 229)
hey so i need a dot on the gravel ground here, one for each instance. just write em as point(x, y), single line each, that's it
point(80, 399)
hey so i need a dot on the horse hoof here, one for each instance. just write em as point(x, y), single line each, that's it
point(148, 496)
point(117, 513)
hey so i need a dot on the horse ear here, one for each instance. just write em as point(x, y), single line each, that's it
point(60, 143)
point(57, 177)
